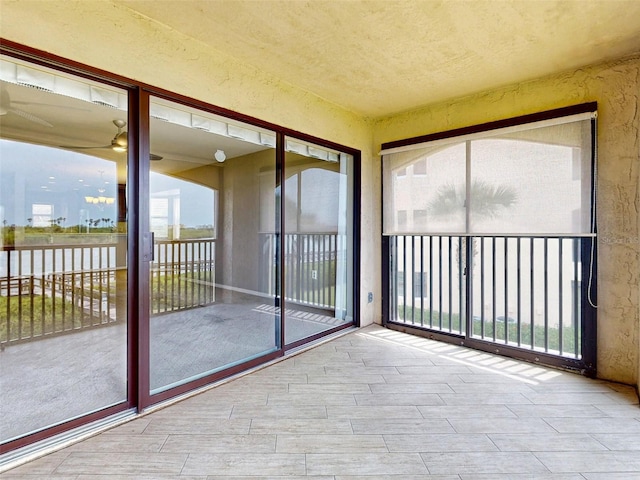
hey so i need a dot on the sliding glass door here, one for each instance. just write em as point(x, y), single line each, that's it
point(63, 249)
point(318, 259)
point(150, 246)
point(208, 309)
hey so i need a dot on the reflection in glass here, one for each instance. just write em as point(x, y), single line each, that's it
point(63, 280)
point(317, 252)
point(211, 303)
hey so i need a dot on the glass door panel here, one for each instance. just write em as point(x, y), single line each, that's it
point(63, 248)
point(317, 240)
point(212, 278)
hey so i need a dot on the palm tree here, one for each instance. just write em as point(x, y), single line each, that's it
point(487, 200)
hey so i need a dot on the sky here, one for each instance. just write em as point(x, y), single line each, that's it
point(39, 175)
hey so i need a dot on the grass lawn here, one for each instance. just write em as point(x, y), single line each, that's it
point(451, 323)
point(28, 316)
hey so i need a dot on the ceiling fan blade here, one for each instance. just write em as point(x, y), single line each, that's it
point(118, 144)
point(64, 107)
point(152, 156)
point(30, 117)
point(76, 147)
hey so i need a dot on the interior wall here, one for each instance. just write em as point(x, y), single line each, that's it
point(616, 87)
point(113, 38)
point(240, 222)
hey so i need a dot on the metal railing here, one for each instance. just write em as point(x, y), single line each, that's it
point(522, 292)
point(54, 289)
point(182, 274)
point(310, 261)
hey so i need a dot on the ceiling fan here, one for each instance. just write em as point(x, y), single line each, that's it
point(118, 143)
point(7, 106)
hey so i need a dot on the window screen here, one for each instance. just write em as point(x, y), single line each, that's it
point(532, 178)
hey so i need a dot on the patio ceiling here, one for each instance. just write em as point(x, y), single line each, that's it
point(377, 58)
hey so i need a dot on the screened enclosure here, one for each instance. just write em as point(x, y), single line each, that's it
point(490, 235)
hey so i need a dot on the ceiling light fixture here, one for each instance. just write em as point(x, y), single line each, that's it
point(220, 156)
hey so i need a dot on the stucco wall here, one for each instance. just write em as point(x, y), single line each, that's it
point(113, 38)
point(616, 87)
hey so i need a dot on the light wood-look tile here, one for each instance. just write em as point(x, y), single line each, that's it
point(373, 404)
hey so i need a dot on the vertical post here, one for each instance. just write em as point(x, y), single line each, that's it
point(281, 284)
point(589, 325)
point(140, 246)
point(121, 254)
point(468, 271)
point(560, 299)
point(388, 292)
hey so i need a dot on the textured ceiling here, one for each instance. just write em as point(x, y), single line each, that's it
point(382, 57)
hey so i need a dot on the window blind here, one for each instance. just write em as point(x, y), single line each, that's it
point(531, 178)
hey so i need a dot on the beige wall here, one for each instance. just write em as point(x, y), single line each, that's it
point(238, 248)
point(616, 88)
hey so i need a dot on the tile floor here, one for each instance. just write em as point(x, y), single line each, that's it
point(370, 405)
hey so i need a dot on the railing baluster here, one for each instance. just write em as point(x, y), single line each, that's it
point(506, 290)
point(73, 287)
point(296, 280)
point(431, 268)
point(560, 305)
point(519, 290)
point(201, 258)
point(63, 287)
point(316, 268)
point(334, 256)
point(532, 332)
point(101, 284)
point(164, 272)
point(546, 295)
point(32, 300)
point(169, 278)
point(53, 275)
point(450, 292)
point(413, 278)
point(440, 283)
point(92, 288)
point(206, 273)
point(177, 272)
point(493, 286)
point(422, 278)
point(9, 252)
point(42, 303)
point(482, 287)
point(462, 241)
point(576, 296)
point(19, 260)
point(404, 278)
